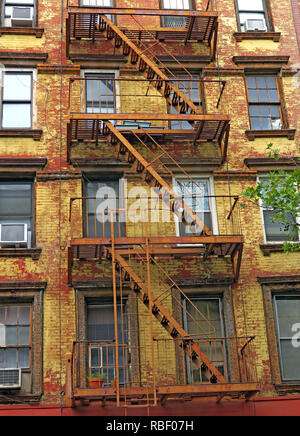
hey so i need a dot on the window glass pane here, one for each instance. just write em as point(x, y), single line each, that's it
point(23, 358)
point(253, 95)
point(263, 95)
point(255, 123)
point(11, 336)
point(97, 2)
point(11, 358)
point(271, 82)
point(16, 116)
point(2, 315)
point(12, 315)
point(24, 336)
point(288, 310)
point(17, 87)
point(290, 361)
point(250, 5)
point(2, 335)
point(176, 4)
point(273, 95)
point(26, 2)
point(1, 358)
point(15, 200)
point(261, 82)
point(24, 315)
point(275, 232)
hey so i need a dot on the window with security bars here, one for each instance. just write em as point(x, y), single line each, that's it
point(190, 87)
point(19, 13)
point(264, 103)
point(195, 194)
point(100, 4)
point(275, 232)
point(100, 93)
point(102, 205)
point(287, 317)
point(15, 336)
point(252, 15)
point(173, 21)
point(101, 339)
point(205, 324)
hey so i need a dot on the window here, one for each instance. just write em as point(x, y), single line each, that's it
point(208, 331)
point(19, 13)
point(264, 103)
point(287, 315)
point(197, 195)
point(101, 339)
point(274, 232)
point(190, 86)
point(16, 213)
point(17, 100)
point(171, 21)
point(103, 197)
point(99, 4)
point(252, 15)
point(15, 336)
point(100, 93)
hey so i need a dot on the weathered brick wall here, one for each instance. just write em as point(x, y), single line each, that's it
point(59, 305)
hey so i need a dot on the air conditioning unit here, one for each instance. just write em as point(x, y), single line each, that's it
point(22, 17)
point(10, 379)
point(255, 25)
point(13, 235)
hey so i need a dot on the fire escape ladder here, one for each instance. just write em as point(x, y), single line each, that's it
point(152, 177)
point(167, 321)
point(147, 67)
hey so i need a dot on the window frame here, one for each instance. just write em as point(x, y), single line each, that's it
point(117, 97)
point(200, 296)
point(33, 111)
point(192, 7)
point(33, 199)
point(102, 179)
point(17, 347)
point(16, 3)
point(262, 209)
point(279, 338)
point(267, 12)
point(213, 211)
point(280, 103)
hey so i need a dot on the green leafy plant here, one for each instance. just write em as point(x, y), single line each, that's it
point(97, 374)
point(279, 192)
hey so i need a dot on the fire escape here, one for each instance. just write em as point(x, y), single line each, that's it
point(196, 364)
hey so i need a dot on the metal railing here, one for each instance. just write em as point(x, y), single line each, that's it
point(234, 357)
point(91, 217)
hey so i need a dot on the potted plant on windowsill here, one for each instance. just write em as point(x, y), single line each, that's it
point(96, 380)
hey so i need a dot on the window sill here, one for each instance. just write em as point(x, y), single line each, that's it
point(287, 388)
point(269, 249)
point(36, 31)
point(288, 133)
point(22, 133)
point(243, 36)
point(34, 253)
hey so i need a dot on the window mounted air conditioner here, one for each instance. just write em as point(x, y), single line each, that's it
point(10, 379)
point(256, 25)
point(22, 17)
point(14, 235)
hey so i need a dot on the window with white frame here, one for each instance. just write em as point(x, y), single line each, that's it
point(198, 195)
point(287, 318)
point(173, 21)
point(15, 336)
point(19, 13)
point(275, 232)
point(16, 214)
point(252, 15)
point(17, 99)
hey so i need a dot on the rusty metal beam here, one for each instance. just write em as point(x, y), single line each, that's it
point(138, 11)
point(148, 117)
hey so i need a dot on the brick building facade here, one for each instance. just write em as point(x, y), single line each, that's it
point(193, 311)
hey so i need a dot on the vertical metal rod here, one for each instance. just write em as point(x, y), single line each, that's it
point(115, 305)
point(150, 307)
